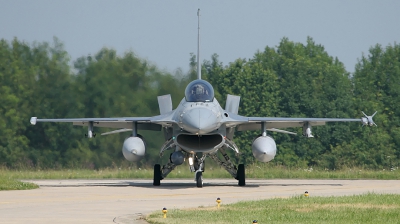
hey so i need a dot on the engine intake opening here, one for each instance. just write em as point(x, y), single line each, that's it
point(200, 143)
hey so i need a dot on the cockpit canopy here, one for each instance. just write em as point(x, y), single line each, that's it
point(199, 91)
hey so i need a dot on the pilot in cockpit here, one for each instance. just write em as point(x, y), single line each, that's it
point(199, 91)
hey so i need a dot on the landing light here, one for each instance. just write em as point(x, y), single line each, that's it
point(190, 161)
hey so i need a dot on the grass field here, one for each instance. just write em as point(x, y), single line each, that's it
point(11, 184)
point(258, 171)
point(9, 177)
point(368, 208)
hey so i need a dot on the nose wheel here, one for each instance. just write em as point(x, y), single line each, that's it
point(199, 179)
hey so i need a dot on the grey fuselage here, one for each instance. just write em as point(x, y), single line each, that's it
point(199, 126)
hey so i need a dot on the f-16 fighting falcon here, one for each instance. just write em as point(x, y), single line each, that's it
point(198, 128)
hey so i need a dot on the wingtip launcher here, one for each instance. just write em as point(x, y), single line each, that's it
point(33, 120)
point(368, 120)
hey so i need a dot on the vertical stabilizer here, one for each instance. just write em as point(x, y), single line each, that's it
point(198, 45)
point(232, 104)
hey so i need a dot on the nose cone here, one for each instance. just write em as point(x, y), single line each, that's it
point(200, 121)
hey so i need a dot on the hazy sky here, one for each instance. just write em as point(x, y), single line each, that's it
point(165, 32)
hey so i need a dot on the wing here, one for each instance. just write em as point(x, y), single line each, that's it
point(254, 123)
point(143, 123)
point(243, 123)
point(117, 122)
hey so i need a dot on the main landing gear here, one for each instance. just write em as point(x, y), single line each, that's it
point(157, 175)
point(237, 173)
point(197, 165)
point(241, 177)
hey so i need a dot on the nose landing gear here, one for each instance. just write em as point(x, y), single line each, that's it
point(199, 178)
point(198, 168)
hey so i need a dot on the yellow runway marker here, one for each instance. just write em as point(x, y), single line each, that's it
point(218, 201)
point(164, 210)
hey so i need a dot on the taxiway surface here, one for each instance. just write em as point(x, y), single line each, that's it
point(125, 201)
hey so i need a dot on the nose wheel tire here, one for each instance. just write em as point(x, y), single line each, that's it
point(199, 179)
point(157, 175)
point(241, 177)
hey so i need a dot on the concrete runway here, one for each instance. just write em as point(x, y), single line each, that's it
point(125, 201)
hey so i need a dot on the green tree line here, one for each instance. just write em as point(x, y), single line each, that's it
point(290, 80)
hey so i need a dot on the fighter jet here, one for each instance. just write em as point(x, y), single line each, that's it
point(198, 128)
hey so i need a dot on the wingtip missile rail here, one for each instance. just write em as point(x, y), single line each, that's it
point(368, 120)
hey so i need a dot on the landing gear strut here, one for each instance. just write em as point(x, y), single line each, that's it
point(198, 168)
point(237, 173)
point(197, 164)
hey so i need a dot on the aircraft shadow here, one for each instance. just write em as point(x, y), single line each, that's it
point(179, 185)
